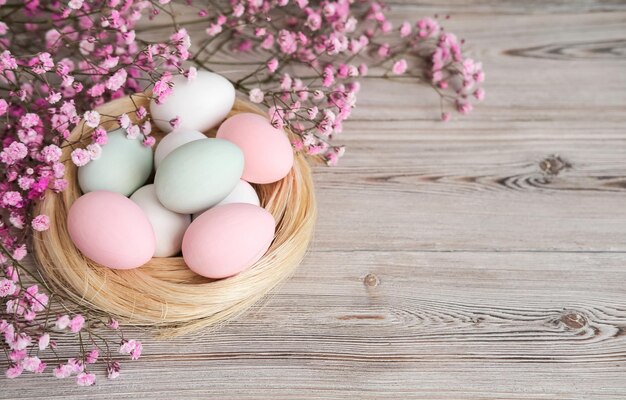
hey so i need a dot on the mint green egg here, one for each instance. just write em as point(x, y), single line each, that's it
point(124, 166)
point(198, 175)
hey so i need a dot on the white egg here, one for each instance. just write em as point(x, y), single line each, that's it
point(173, 140)
point(242, 193)
point(200, 103)
point(169, 227)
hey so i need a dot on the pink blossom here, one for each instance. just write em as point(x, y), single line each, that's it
point(95, 151)
point(44, 341)
point(62, 371)
point(399, 67)
point(31, 364)
point(124, 121)
point(464, 107)
point(113, 370)
point(80, 157)
point(192, 73)
point(405, 29)
point(213, 29)
point(4, 106)
point(479, 94)
point(256, 95)
point(77, 323)
point(15, 152)
point(29, 120)
point(11, 198)
point(117, 80)
point(7, 287)
point(136, 352)
point(149, 141)
point(133, 132)
point(20, 252)
point(18, 355)
point(141, 113)
point(272, 65)
point(41, 223)
point(51, 153)
point(76, 366)
point(287, 41)
point(62, 322)
point(127, 346)
point(113, 324)
point(75, 4)
point(92, 118)
point(92, 356)
point(14, 371)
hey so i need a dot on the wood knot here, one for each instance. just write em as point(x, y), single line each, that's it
point(553, 165)
point(573, 320)
point(371, 280)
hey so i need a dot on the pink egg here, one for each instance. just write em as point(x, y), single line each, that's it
point(228, 239)
point(268, 156)
point(111, 230)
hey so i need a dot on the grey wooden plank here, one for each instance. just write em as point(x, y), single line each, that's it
point(402, 324)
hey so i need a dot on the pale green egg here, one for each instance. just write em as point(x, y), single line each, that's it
point(124, 166)
point(198, 175)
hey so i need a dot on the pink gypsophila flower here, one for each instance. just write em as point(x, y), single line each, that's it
point(51, 153)
point(85, 379)
point(256, 95)
point(4, 106)
point(41, 223)
point(77, 323)
point(14, 371)
point(80, 157)
point(62, 322)
point(399, 67)
point(44, 341)
point(92, 119)
point(7, 287)
point(11, 198)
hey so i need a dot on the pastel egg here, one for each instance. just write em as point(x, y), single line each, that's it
point(174, 140)
point(242, 193)
point(169, 227)
point(267, 152)
point(124, 165)
point(198, 175)
point(111, 230)
point(227, 239)
point(201, 103)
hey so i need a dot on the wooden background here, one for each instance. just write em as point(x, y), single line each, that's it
point(484, 258)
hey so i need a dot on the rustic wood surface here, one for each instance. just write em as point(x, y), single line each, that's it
point(484, 258)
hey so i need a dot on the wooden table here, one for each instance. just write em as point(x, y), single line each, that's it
point(484, 258)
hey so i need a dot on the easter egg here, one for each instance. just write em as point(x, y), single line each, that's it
point(200, 103)
point(228, 239)
point(198, 175)
point(111, 230)
point(124, 165)
point(242, 193)
point(267, 152)
point(174, 140)
point(169, 227)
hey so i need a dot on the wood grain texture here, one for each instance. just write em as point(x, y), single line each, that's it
point(480, 259)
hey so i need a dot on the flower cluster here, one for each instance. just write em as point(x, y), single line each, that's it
point(58, 62)
point(62, 59)
point(313, 55)
point(29, 323)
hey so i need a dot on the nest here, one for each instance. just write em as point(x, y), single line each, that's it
point(165, 294)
